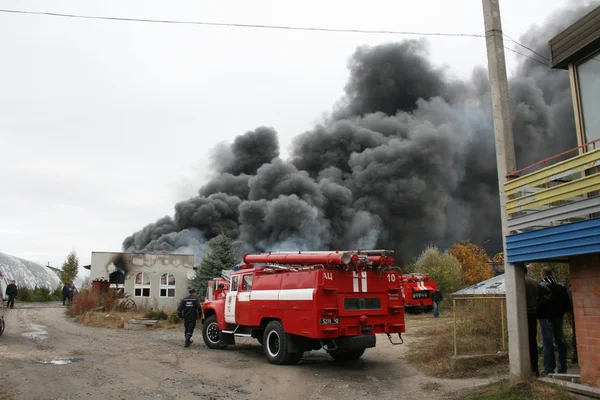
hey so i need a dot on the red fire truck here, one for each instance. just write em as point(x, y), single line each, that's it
point(217, 287)
point(302, 301)
point(417, 289)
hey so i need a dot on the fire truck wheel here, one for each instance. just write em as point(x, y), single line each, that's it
point(275, 345)
point(211, 333)
point(347, 355)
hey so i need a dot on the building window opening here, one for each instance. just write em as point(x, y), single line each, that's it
point(142, 285)
point(167, 285)
point(588, 74)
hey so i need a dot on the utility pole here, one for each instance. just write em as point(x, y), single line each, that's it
point(514, 275)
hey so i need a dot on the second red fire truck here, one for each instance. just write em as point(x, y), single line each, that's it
point(417, 289)
point(302, 301)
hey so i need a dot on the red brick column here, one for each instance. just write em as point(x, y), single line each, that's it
point(585, 286)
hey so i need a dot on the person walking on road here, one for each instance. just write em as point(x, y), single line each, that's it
point(189, 310)
point(436, 296)
point(551, 323)
point(12, 292)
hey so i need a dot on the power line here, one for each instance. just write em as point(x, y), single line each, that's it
point(528, 48)
point(260, 26)
point(525, 55)
point(281, 27)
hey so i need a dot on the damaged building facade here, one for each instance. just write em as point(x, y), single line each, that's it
point(155, 280)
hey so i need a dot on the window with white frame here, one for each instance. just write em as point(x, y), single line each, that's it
point(589, 88)
point(167, 285)
point(142, 285)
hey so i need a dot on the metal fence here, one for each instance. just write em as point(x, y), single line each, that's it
point(479, 325)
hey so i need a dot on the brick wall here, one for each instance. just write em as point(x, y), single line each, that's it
point(585, 281)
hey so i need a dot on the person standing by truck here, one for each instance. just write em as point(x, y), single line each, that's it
point(436, 296)
point(189, 310)
point(12, 292)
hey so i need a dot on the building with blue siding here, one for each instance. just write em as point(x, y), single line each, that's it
point(554, 208)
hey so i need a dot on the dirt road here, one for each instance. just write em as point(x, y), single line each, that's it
point(44, 355)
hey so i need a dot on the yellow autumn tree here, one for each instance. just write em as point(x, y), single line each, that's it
point(499, 258)
point(473, 260)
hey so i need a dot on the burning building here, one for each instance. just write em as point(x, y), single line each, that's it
point(148, 279)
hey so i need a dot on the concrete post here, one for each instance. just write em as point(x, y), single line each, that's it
point(516, 311)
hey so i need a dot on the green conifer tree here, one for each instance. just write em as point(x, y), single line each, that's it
point(222, 255)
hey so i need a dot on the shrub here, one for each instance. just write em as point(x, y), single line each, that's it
point(156, 314)
point(85, 301)
point(174, 319)
point(39, 295)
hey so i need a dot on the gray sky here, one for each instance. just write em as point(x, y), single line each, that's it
point(104, 125)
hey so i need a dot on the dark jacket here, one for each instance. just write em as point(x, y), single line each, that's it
point(189, 308)
point(436, 296)
point(65, 291)
point(535, 294)
point(11, 290)
point(559, 303)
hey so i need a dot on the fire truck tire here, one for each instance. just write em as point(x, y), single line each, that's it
point(347, 355)
point(211, 333)
point(275, 345)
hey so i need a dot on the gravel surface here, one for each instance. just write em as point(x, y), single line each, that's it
point(45, 355)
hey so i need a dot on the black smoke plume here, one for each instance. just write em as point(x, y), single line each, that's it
point(407, 160)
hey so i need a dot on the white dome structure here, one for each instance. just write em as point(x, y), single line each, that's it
point(26, 273)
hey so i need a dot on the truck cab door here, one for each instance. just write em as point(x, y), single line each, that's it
point(231, 300)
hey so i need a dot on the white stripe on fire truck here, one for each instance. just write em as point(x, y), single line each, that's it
point(284, 294)
point(355, 280)
point(364, 281)
point(244, 296)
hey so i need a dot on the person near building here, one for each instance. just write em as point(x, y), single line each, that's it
point(70, 292)
point(12, 292)
point(437, 298)
point(551, 316)
point(65, 292)
point(535, 293)
point(575, 359)
point(189, 310)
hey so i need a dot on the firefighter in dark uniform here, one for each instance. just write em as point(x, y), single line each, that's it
point(189, 310)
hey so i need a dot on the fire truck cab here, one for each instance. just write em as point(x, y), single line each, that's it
point(302, 301)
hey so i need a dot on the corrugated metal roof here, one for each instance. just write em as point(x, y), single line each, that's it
point(494, 286)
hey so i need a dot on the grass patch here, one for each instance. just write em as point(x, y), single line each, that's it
point(479, 333)
point(502, 390)
point(117, 319)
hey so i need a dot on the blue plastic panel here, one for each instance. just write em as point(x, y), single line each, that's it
point(556, 242)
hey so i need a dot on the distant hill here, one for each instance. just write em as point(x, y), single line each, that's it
point(26, 273)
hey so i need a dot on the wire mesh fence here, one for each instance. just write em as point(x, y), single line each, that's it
point(479, 325)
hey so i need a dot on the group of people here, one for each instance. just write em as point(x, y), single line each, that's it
point(547, 302)
point(68, 291)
